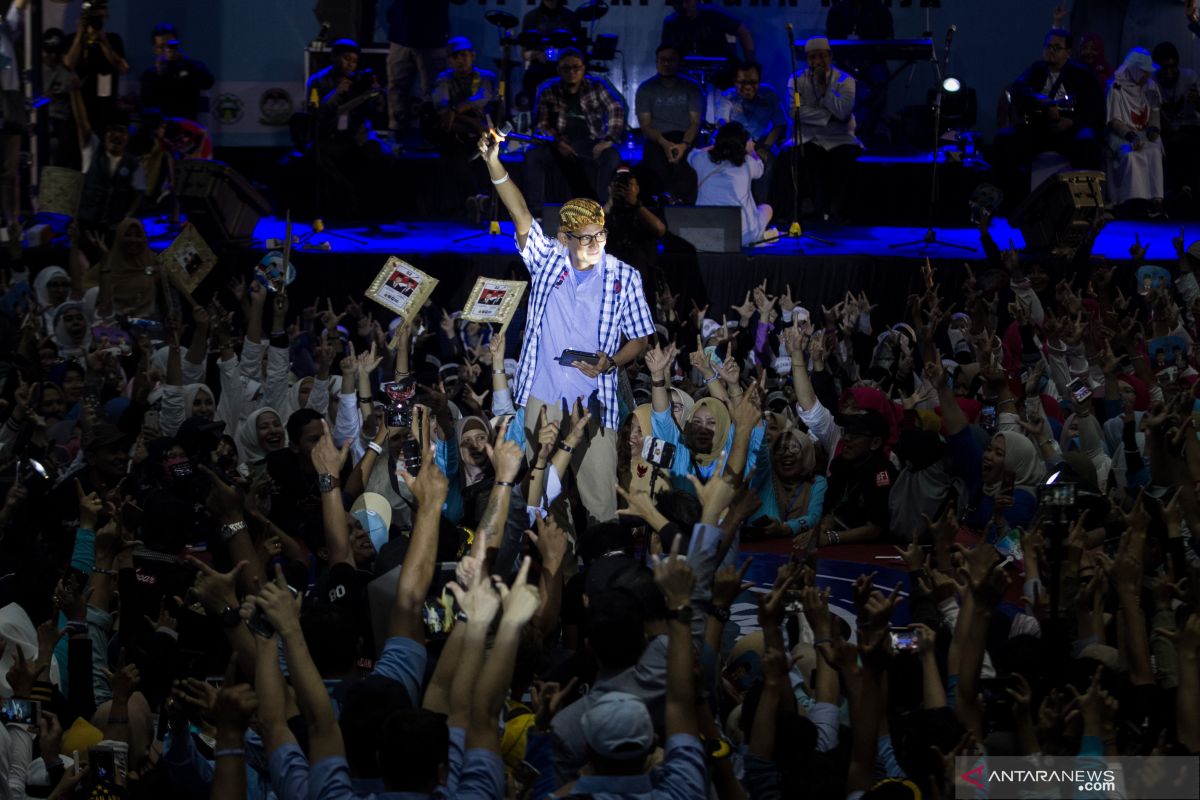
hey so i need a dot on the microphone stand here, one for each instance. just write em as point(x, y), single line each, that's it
point(796, 231)
point(931, 238)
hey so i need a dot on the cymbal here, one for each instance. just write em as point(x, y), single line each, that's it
point(501, 19)
point(590, 12)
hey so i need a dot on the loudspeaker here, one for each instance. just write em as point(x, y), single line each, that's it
point(348, 19)
point(222, 205)
point(1059, 215)
point(703, 229)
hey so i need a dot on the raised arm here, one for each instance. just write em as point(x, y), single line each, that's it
point(327, 459)
point(429, 489)
point(506, 188)
point(520, 604)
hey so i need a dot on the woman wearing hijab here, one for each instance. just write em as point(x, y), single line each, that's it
point(52, 288)
point(260, 434)
point(634, 473)
point(129, 281)
point(792, 493)
point(1135, 170)
point(1092, 55)
point(72, 333)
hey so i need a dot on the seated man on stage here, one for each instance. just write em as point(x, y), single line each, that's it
point(825, 144)
point(707, 32)
point(580, 299)
point(1057, 106)
point(587, 120)
point(1135, 168)
point(756, 106)
point(463, 96)
point(345, 99)
point(669, 109)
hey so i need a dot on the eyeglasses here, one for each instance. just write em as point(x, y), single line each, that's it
point(1054, 48)
point(589, 238)
point(748, 83)
point(570, 67)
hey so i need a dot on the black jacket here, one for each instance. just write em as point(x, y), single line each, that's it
point(1078, 81)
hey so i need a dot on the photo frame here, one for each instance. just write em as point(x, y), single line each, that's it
point(59, 191)
point(401, 287)
point(492, 300)
point(189, 259)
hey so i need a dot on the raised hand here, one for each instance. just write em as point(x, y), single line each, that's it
point(551, 542)
point(674, 577)
point(327, 458)
point(521, 601)
point(279, 605)
point(234, 707)
point(506, 455)
point(728, 584)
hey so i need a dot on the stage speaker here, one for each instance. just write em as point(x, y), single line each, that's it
point(348, 19)
point(1059, 215)
point(703, 229)
point(222, 204)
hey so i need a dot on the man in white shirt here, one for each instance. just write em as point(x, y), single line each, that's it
point(823, 136)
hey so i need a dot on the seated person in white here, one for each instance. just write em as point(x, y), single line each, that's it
point(1135, 167)
point(724, 173)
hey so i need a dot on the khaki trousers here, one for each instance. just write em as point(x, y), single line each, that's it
point(594, 462)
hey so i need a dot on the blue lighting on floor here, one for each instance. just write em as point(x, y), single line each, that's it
point(430, 237)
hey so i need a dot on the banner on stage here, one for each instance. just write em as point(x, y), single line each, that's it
point(59, 191)
point(494, 300)
point(189, 259)
point(401, 287)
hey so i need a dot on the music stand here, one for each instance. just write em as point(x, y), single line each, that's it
point(931, 238)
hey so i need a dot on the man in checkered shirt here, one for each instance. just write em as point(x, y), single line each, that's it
point(580, 299)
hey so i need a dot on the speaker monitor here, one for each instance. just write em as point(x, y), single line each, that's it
point(704, 229)
point(222, 205)
point(1059, 215)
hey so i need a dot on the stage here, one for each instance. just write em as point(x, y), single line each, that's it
point(858, 259)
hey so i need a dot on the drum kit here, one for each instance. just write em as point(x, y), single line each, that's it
point(603, 47)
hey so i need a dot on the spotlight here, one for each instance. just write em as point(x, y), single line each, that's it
point(951, 85)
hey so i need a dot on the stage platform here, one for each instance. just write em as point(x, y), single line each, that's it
point(858, 259)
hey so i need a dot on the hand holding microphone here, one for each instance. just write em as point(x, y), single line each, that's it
point(490, 141)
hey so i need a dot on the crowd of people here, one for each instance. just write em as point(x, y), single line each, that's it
point(270, 545)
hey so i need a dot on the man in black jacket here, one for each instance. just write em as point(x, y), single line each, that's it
point(1057, 105)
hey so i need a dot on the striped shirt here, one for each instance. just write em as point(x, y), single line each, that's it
point(623, 311)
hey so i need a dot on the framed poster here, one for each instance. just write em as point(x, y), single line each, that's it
point(401, 287)
point(60, 190)
point(189, 259)
point(494, 300)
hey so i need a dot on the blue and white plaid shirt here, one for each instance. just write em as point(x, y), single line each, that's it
point(623, 310)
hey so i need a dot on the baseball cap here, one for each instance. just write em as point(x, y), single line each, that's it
point(618, 727)
point(54, 40)
point(867, 422)
point(457, 44)
point(345, 46)
point(374, 513)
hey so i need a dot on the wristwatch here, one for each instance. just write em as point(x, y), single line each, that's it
point(682, 614)
point(229, 530)
point(327, 483)
point(230, 617)
point(720, 613)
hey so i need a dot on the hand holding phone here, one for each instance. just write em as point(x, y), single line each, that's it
point(571, 357)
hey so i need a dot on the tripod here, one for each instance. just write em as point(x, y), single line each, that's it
point(795, 231)
point(931, 238)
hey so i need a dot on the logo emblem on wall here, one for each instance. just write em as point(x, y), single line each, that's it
point(228, 109)
point(275, 106)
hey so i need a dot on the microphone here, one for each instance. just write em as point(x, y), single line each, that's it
point(505, 130)
point(949, 41)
